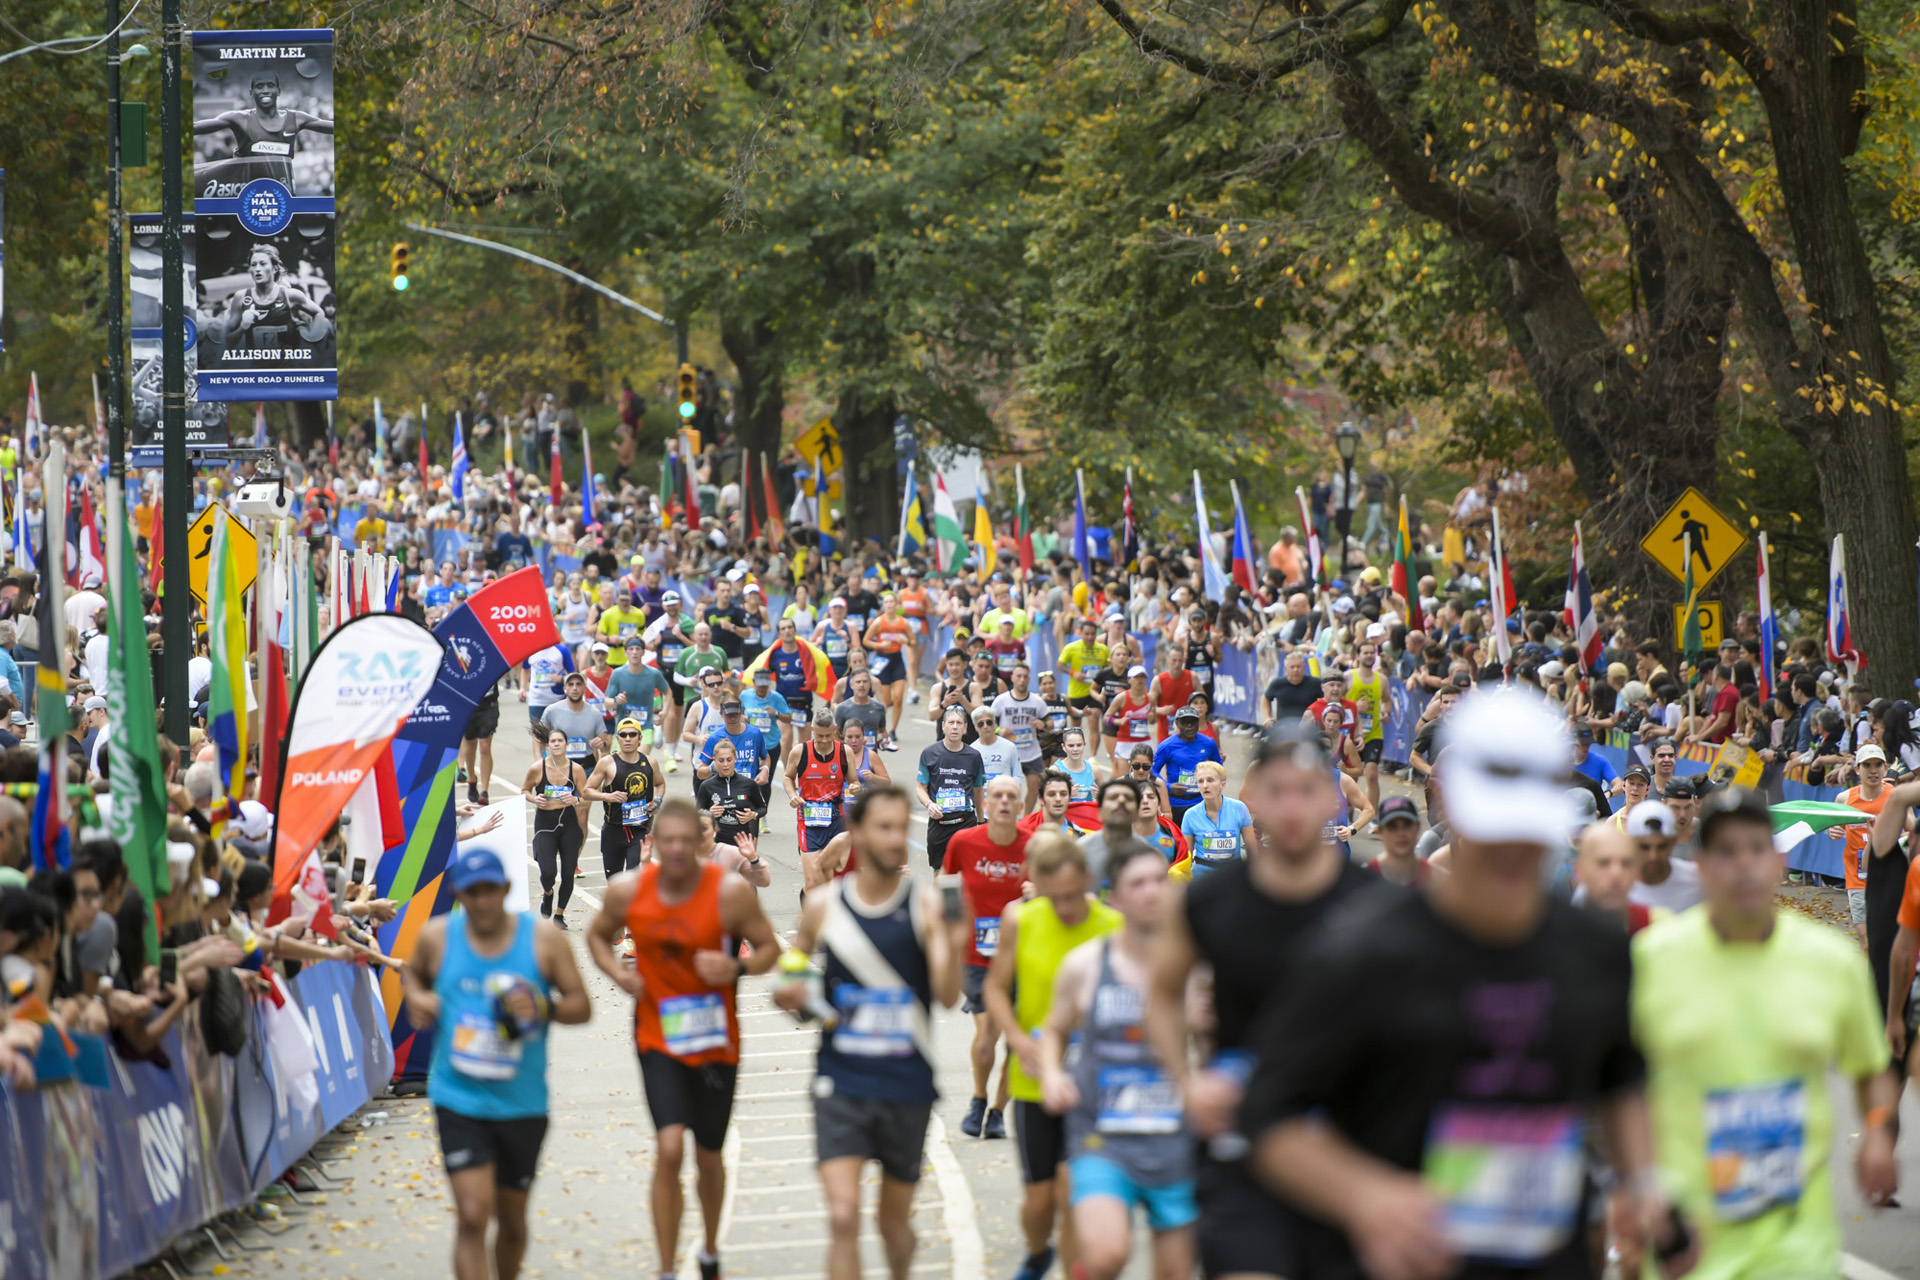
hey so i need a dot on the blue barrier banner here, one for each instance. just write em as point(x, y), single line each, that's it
point(447, 544)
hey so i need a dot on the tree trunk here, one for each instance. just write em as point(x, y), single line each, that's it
point(760, 398)
point(871, 501)
point(309, 423)
point(580, 309)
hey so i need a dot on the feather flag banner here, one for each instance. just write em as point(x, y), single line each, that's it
point(1769, 624)
point(1213, 578)
point(48, 837)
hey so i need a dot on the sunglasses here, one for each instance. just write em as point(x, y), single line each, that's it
point(1139, 768)
point(628, 734)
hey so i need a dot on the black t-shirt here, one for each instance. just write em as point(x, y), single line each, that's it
point(1290, 701)
point(863, 604)
point(605, 559)
point(730, 643)
point(1886, 883)
point(949, 771)
point(1249, 937)
point(736, 796)
point(1411, 1035)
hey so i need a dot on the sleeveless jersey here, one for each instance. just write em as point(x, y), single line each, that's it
point(1041, 942)
point(1200, 664)
point(1133, 719)
point(1085, 785)
point(678, 1013)
point(1371, 697)
point(638, 783)
point(1129, 1112)
point(475, 1070)
point(877, 978)
point(1175, 687)
point(555, 819)
point(276, 322)
point(822, 784)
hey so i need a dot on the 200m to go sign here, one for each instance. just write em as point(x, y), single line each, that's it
point(518, 617)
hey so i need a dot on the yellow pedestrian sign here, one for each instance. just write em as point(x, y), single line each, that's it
point(1715, 539)
point(1712, 626)
point(821, 444)
point(240, 542)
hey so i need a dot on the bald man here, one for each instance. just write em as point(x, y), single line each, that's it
point(1607, 866)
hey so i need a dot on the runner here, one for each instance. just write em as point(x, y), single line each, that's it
point(1350, 812)
point(1024, 713)
point(817, 778)
point(889, 953)
point(916, 606)
point(1082, 660)
point(835, 637)
point(1059, 714)
point(1201, 649)
point(1000, 757)
point(734, 800)
point(476, 744)
point(1219, 828)
point(1079, 770)
point(1035, 936)
point(1399, 829)
point(1128, 715)
point(1176, 761)
point(1742, 1010)
point(1171, 689)
point(1367, 688)
point(544, 683)
point(556, 786)
point(689, 676)
point(1056, 791)
point(886, 639)
point(1126, 1141)
point(749, 744)
point(790, 665)
point(991, 861)
point(682, 913)
point(583, 725)
point(1119, 801)
point(1507, 1012)
point(769, 712)
point(1245, 922)
point(634, 688)
point(949, 784)
point(491, 980)
point(1870, 762)
point(1666, 884)
point(628, 782)
point(1607, 867)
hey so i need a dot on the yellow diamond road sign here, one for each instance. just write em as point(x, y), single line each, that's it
point(240, 540)
point(820, 445)
point(1715, 539)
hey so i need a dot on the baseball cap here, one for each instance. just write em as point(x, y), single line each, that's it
point(1395, 808)
point(753, 589)
point(1135, 670)
point(1869, 752)
point(629, 723)
point(763, 675)
point(735, 575)
point(1377, 631)
point(1678, 789)
point(1460, 680)
point(671, 597)
point(476, 867)
point(1583, 734)
point(837, 600)
point(731, 706)
point(1506, 769)
point(1338, 585)
point(1638, 771)
point(96, 703)
point(571, 676)
point(1343, 605)
point(1552, 669)
point(600, 646)
point(1370, 575)
point(1731, 802)
point(180, 854)
point(1650, 818)
point(254, 821)
point(1187, 713)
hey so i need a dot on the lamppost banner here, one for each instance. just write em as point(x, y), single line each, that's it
point(206, 421)
point(263, 202)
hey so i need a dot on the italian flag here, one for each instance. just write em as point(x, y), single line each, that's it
point(947, 536)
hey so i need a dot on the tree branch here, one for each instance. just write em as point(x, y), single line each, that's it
point(1711, 23)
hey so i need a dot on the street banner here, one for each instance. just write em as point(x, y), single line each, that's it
point(263, 185)
point(206, 423)
point(503, 624)
point(362, 685)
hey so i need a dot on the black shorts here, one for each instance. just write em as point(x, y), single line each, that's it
point(1087, 702)
point(1035, 767)
point(892, 671)
point(973, 985)
point(894, 1133)
point(701, 1098)
point(1370, 752)
point(484, 721)
point(814, 839)
point(938, 833)
point(1242, 1227)
point(622, 846)
point(512, 1147)
point(1043, 1141)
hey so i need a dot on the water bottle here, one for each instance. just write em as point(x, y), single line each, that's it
point(795, 968)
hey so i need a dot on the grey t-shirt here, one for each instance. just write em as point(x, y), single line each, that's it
point(1002, 758)
point(581, 728)
point(1021, 719)
point(872, 716)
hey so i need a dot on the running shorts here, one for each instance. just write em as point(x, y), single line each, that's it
point(701, 1098)
point(1043, 1141)
point(894, 1133)
point(512, 1147)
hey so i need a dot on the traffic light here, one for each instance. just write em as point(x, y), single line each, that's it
point(400, 267)
point(689, 392)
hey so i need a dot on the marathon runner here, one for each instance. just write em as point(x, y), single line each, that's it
point(836, 637)
point(1119, 801)
point(1127, 1143)
point(556, 785)
point(1128, 717)
point(768, 711)
point(1171, 690)
point(1035, 936)
point(583, 725)
point(991, 861)
point(817, 778)
point(1367, 689)
point(1176, 761)
point(690, 677)
point(632, 690)
point(1219, 829)
point(491, 980)
point(1024, 713)
point(1059, 714)
point(1743, 1010)
point(1399, 828)
point(949, 783)
point(1082, 660)
point(889, 951)
point(628, 782)
point(886, 639)
point(999, 755)
point(1508, 1015)
point(1080, 771)
point(1607, 867)
point(682, 914)
point(790, 664)
point(916, 606)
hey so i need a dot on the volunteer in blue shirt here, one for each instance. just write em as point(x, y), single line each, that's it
point(1219, 830)
point(440, 592)
point(769, 712)
point(491, 980)
point(750, 748)
point(1176, 759)
point(1596, 766)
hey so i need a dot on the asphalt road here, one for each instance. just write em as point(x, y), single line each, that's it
point(590, 1214)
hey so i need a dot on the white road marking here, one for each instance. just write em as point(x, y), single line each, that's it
point(969, 1261)
point(1856, 1268)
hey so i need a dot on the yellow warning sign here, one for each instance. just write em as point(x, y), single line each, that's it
point(820, 446)
point(1715, 540)
point(240, 541)
point(1708, 612)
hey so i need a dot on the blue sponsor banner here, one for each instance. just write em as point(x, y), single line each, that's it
point(447, 544)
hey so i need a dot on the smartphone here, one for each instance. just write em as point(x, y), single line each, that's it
point(169, 966)
point(951, 906)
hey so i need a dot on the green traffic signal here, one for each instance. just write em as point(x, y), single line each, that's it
point(686, 406)
point(400, 283)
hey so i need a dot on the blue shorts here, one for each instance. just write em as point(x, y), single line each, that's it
point(1169, 1207)
point(814, 839)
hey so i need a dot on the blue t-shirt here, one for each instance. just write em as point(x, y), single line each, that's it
point(640, 687)
point(1216, 843)
point(789, 671)
point(514, 549)
point(440, 594)
point(1174, 762)
point(764, 713)
point(1599, 768)
point(748, 745)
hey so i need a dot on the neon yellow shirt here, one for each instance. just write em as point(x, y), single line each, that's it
point(1081, 665)
point(619, 625)
point(990, 622)
point(1739, 1039)
point(1040, 943)
point(1371, 697)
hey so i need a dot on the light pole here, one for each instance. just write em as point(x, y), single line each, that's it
point(177, 617)
point(1347, 440)
point(116, 282)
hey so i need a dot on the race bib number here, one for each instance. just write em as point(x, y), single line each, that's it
point(1219, 848)
point(1137, 1098)
point(1088, 670)
point(694, 1024)
point(1202, 676)
point(480, 1052)
point(874, 1023)
point(578, 746)
point(628, 630)
point(761, 720)
point(952, 801)
point(670, 653)
point(1004, 662)
point(986, 935)
point(876, 663)
point(1057, 721)
point(1756, 1147)
point(558, 793)
point(1511, 1179)
point(836, 645)
point(635, 812)
point(1081, 791)
point(817, 813)
point(1184, 779)
point(753, 635)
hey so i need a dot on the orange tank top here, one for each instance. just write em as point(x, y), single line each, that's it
point(678, 1013)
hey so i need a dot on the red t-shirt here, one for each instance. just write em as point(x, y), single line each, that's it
point(1175, 687)
point(1724, 703)
point(1350, 714)
point(991, 874)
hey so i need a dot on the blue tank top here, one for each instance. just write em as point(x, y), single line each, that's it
point(1084, 784)
point(475, 1070)
point(877, 979)
point(1340, 815)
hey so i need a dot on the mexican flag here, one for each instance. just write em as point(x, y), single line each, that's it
point(952, 543)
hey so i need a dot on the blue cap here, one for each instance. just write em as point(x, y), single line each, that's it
point(1481, 603)
point(1513, 625)
point(1338, 584)
point(476, 867)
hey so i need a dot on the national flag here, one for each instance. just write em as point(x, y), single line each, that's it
point(1690, 640)
point(983, 536)
point(1022, 523)
point(816, 670)
point(379, 437)
point(1243, 557)
point(1405, 584)
point(1312, 536)
point(156, 549)
point(822, 513)
point(775, 524)
point(913, 528)
point(1769, 624)
point(93, 555)
point(553, 467)
point(23, 528)
point(227, 647)
point(1499, 583)
point(689, 465)
point(274, 702)
point(1129, 531)
point(1082, 547)
point(138, 815)
point(457, 474)
point(1841, 647)
point(1579, 606)
point(47, 835)
point(946, 527)
point(36, 426)
point(589, 492)
point(99, 412)
point(1213, 578)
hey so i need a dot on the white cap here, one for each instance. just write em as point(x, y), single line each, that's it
point(753, 589)
point(1651, 818)
point(1506, 768)
point(255, 821)
point(1377, 631)
point(837, 600)
point(1869, 752)
point(1135, 670)
point(734, 575)
point(1552, 670)
point(209, 887)
point(179, 854)
point(1343, 605)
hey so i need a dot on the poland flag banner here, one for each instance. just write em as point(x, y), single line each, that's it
point(360, 688)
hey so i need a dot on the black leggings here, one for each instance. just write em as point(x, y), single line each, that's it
point(621, 846)
point(564, 840)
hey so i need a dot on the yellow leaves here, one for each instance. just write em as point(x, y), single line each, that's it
point(1199, 277)
point(1259, 302)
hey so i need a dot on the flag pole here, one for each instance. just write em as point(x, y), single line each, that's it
point(1686, 551)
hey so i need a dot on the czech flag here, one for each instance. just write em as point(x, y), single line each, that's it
point(1769, 625)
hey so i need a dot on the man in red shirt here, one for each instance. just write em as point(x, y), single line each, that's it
point(1333, 689)
point(991, 861)
point(1171, 689)
point(1725, 699)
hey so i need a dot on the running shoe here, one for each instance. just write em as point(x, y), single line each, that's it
point(673, 764)
point(626, 947)
point(996, 1125)
point(1036, 1266)
point(710, 1269)
point(561, 920)
point(976, 1113)
point(913, 697)
point(546, 905)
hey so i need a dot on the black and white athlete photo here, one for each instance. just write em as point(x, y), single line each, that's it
point(261, 110)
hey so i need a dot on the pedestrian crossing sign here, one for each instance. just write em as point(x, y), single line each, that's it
point(1692, 520)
